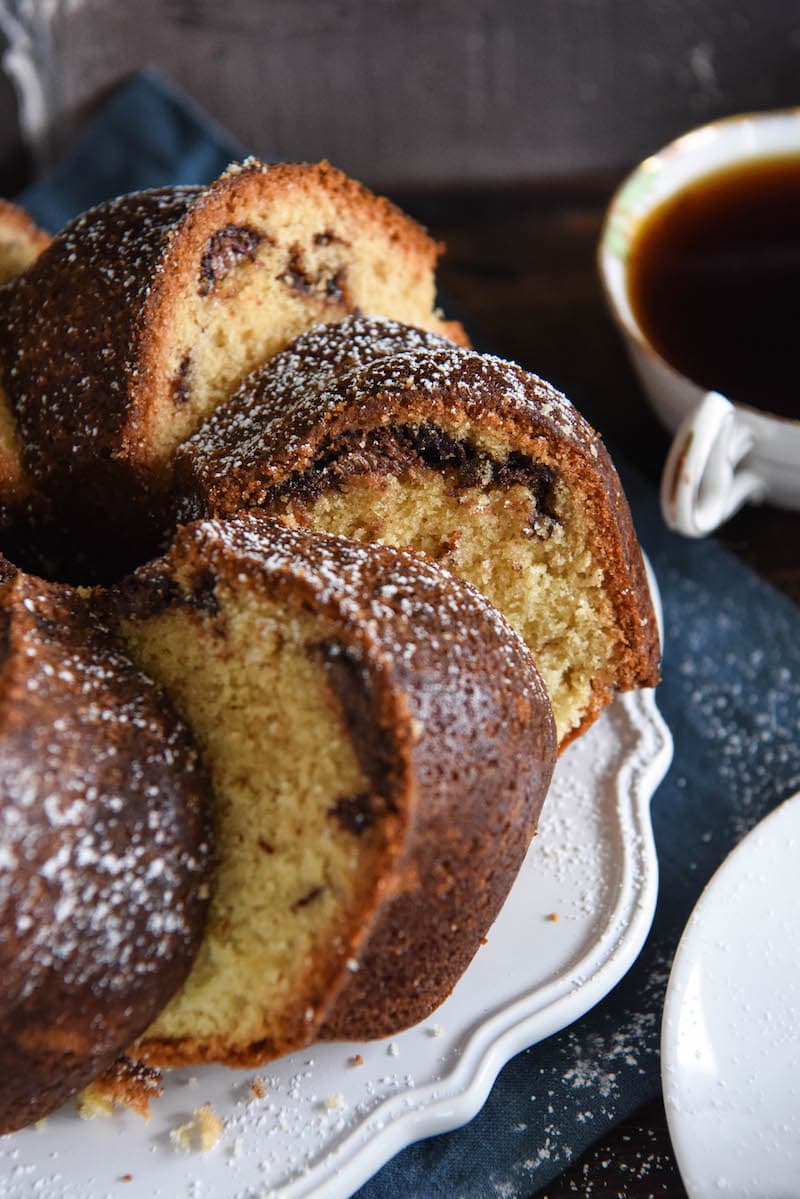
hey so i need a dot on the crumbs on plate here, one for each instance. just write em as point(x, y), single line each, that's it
point(201, 1132)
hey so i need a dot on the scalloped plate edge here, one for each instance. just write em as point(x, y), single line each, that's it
point(459, 1096)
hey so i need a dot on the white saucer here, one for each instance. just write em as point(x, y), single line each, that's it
point(730, 1042)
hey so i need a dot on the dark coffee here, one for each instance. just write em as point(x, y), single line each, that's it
point(715, 282)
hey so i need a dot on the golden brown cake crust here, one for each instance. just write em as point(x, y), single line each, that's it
point(71, 351)
point(280, 439)
point(74, 327)
point(104, 844)
point(126, 1083)
point(451, 722)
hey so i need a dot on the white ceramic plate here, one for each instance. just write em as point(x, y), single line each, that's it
point(731, 1032)
point(325, 1124)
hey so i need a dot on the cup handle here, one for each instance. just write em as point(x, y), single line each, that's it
point(704, 479)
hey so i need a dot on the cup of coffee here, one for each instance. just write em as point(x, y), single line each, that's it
point(700, 261)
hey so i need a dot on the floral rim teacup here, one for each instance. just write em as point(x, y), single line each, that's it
point(723, 454)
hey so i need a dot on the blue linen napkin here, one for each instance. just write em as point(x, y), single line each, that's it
point(730, 694)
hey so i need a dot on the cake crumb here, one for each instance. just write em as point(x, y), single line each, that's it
point(332, 1102)
point(126, 1084)
point(552, 917)
point(41, 1125)
point(201, 1132)
point(258, 1088)
point(126, 1178)
point(393, 1049)
point(93, 1103)
point(435, 1030)
point(355, 1060)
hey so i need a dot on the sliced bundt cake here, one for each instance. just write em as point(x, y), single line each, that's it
point(379, 744)
point(389, 434)
point(21, 243)
point(104, 849)
point(147, 310)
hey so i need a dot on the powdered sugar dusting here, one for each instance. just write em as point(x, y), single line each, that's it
point(398, 600)
point(73, 326)
point(720, 694)
point(284, 1139)
point(109, 815)
point(326, 381)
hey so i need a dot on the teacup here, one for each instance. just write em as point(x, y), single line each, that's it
point(723, 454)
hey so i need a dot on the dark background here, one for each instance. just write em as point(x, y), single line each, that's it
point(414, 93)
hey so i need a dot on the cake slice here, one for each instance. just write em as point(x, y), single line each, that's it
point(379, 743)
point(149, 309)
point(385, 433)
point(104, 848)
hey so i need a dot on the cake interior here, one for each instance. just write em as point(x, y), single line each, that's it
point(17, 250)
point(294, 871)
point(539, 570)
point(265, 277)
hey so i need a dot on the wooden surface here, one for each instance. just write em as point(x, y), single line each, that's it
point(443, 90)
point(409, 92)
point(521, 268)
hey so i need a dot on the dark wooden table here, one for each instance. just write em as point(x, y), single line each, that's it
point(520, 267)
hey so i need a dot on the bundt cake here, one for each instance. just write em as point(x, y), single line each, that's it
point(147, 310)
point(379, 744)
point(368, 739)
point(389, 434)
point(21, 243)
point(104, 849)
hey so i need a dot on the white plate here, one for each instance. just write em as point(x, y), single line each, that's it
point(325, 1125)
point(731, 1033)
